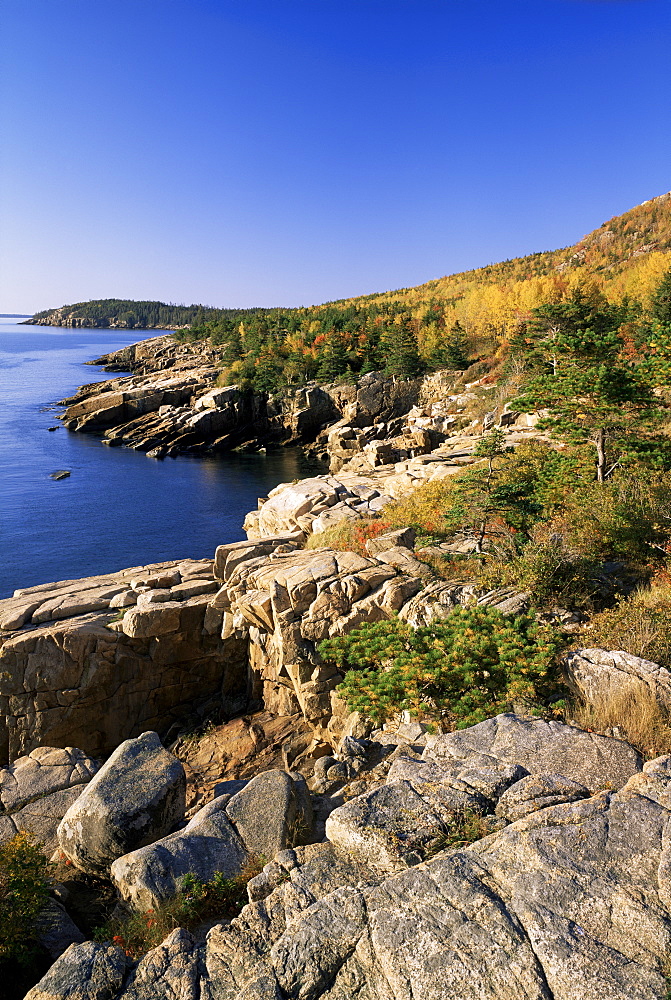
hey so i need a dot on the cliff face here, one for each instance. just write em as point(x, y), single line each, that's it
point(91, 662)
point(71, 675)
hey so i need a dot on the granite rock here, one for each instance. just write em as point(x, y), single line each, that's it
point(137, 797)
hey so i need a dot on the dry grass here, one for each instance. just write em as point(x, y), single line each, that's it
point(423, 508)
point(640, 625)
point(349, 536)
point(635, 715)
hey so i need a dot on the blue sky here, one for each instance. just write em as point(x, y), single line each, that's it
point(286, 152)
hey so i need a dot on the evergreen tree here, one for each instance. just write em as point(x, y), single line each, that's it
point(335, 360)
point(399, 350)
point(661, 300)
point(462, 670)
point(581, 375)
point(456, 348)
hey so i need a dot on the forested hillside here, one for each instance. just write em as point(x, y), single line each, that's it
point(624, 258)
point(449, 322)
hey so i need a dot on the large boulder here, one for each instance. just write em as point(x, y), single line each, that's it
point(272, 812)
point(208, 844)
point(391, 827)
point(37, 790)
point(568, 903)
point(171, 970)
point(542, 748)
point(404, 821)
point(538, 791)
point(598, 674)
point(137, 797)
point(85, 971)
point(55, 929)
point(571, 902)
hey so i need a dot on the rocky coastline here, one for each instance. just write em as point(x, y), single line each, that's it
point(171, 404)
point(177, 718)
point(68, 317)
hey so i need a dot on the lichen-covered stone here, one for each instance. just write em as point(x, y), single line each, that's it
point(85, 971)
point(137, 797)
point(542, 748)
point(538, 791)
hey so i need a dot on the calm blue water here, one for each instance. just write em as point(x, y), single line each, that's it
point(118, 508)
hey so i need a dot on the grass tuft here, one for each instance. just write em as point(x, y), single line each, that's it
point(635, 715)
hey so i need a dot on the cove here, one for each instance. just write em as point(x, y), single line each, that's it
point(117, 507)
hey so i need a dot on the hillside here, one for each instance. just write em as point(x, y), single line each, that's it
point(451, 321)
point(626, 256)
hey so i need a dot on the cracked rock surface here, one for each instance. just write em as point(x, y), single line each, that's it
point(570, 901)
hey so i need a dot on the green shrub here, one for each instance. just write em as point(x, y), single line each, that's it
point(548, 573)
point(24, 887)
point(222, 898)
point(458, 671)
point(464, 827)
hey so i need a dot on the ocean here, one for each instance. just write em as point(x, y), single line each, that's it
point(117, 508)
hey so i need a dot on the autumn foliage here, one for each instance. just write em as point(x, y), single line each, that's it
point(24, 887)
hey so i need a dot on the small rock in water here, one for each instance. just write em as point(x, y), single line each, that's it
point(60, 474)
point(56, 428)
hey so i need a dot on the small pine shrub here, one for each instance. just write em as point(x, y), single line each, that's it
point(459, 671)
point(24, 887)
point(222, 898)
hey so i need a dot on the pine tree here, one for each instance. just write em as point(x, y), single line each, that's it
point(464, 669)
point(399, 350)
point(456, 348)
point(334, 361)
point(661, 300)
point(581, 375)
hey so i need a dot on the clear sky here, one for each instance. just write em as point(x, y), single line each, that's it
point(287, 152)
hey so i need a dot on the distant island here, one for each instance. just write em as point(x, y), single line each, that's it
point(124, 314)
